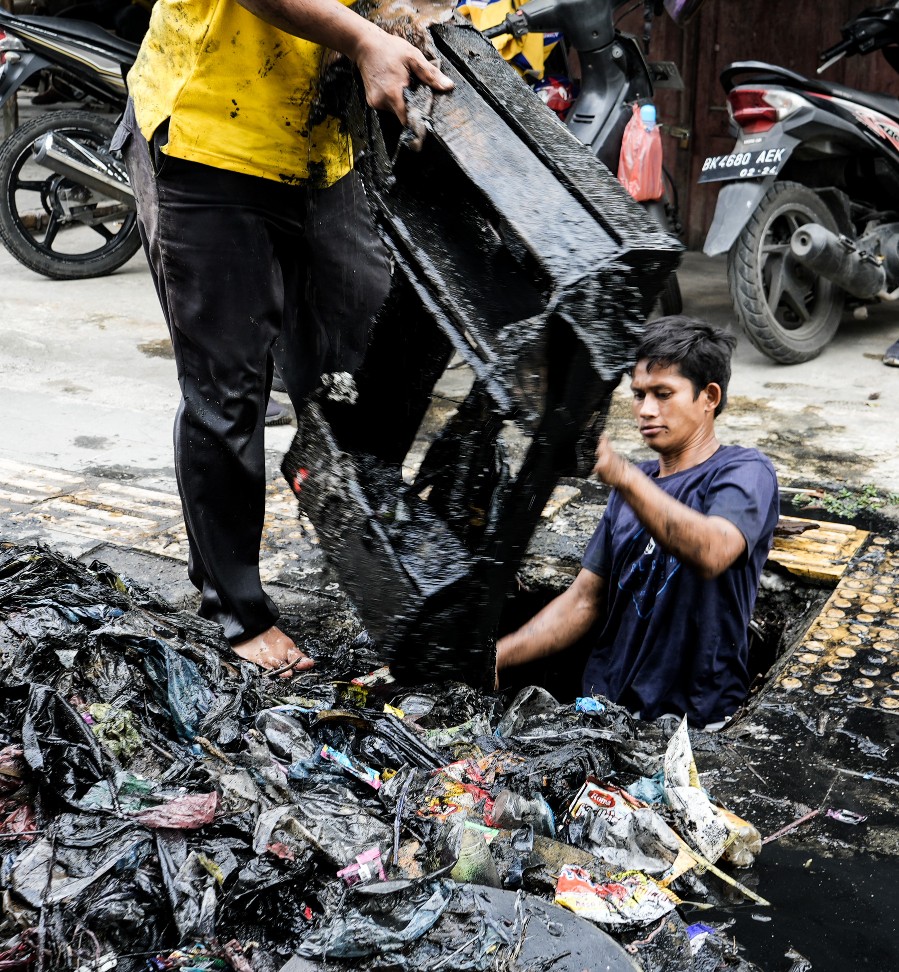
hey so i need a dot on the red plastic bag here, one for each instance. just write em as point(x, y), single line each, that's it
point(640, 164)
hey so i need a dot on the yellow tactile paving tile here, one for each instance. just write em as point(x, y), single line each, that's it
point(24, 484)
point(850, 652)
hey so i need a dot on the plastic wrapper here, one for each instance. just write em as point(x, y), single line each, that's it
point(382, 922)
point(464, 736)
point(285, 734)
point(184, 813)
point(700, 822)
point(558, 773)
point(12, 769)
point(116, 729)
point(226, 825)
point(626, 899)
point(338, 825)
point(557, 93)
point(649, 789)
point(745, 842)
point(621, 832)
point(512, 811)
point(364, 773)
point(536, 718)
point(57, 744)
point(367, 867)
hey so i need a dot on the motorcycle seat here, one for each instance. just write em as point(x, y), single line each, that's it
point(87, 33)
point(884, 103)
point(758, 72)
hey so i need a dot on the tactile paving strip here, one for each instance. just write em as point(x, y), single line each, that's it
point(60, 508)
point(850, 653)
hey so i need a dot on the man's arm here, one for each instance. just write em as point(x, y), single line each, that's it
point(563, 621)
point(386, 63)
point(711, 544)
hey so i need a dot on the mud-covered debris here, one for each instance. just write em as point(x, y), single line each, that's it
point(164, 805)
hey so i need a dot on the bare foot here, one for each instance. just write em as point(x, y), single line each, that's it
point(274, 650)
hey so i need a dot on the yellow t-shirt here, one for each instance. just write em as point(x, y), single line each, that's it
point(238, 93)
point(526, 54)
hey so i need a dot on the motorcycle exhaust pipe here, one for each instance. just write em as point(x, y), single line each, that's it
point(66, 157)
point(838, 259)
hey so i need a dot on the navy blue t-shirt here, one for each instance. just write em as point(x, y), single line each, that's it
point(674, 642)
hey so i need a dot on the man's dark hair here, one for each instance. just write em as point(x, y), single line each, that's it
point(701, 352)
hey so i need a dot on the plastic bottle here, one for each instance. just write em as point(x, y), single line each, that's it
point(475, 864)
point(640, 162)
point(512, 810)
point(648, 116)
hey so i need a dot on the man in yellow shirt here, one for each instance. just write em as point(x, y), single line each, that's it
point(260, 242)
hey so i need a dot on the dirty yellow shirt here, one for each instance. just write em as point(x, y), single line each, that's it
point(238, 92)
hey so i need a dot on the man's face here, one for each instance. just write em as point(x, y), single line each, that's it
point(668, 415)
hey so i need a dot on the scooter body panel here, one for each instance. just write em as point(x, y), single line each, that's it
point(18, 71)
point(613, 78)
point(737, 201)
point(740, 197)
point(829, 128)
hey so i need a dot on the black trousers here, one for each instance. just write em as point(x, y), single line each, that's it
point(247, 270)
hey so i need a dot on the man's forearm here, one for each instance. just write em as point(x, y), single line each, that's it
point(387, 64)
point(545, 634)
point(325, 22)
point(708, 543)
point(563, 622)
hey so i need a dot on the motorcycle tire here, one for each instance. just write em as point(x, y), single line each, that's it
point(31, 232)
point(788, 312)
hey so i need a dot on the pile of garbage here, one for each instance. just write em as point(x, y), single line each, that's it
point(164, 805)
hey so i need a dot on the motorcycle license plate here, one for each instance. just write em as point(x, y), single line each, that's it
point(754, 164)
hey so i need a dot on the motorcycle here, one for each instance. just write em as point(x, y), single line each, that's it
point(615, 76)
point(60, 185)
point(808, 214)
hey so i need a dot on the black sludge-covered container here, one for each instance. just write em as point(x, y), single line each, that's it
point(518, 250)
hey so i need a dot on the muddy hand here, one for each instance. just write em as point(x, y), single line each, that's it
point(274, 651)
point(609, 466)
point(387, 65)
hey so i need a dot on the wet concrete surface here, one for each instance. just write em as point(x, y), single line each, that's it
point(85, 383)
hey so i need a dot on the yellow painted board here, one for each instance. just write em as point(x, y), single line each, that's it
point(822, 552)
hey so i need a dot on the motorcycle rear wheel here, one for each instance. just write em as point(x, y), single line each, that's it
point(787, 312)
point(33, 225)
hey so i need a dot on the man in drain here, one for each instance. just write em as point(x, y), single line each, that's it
point(670, 577)
point(260, 241)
